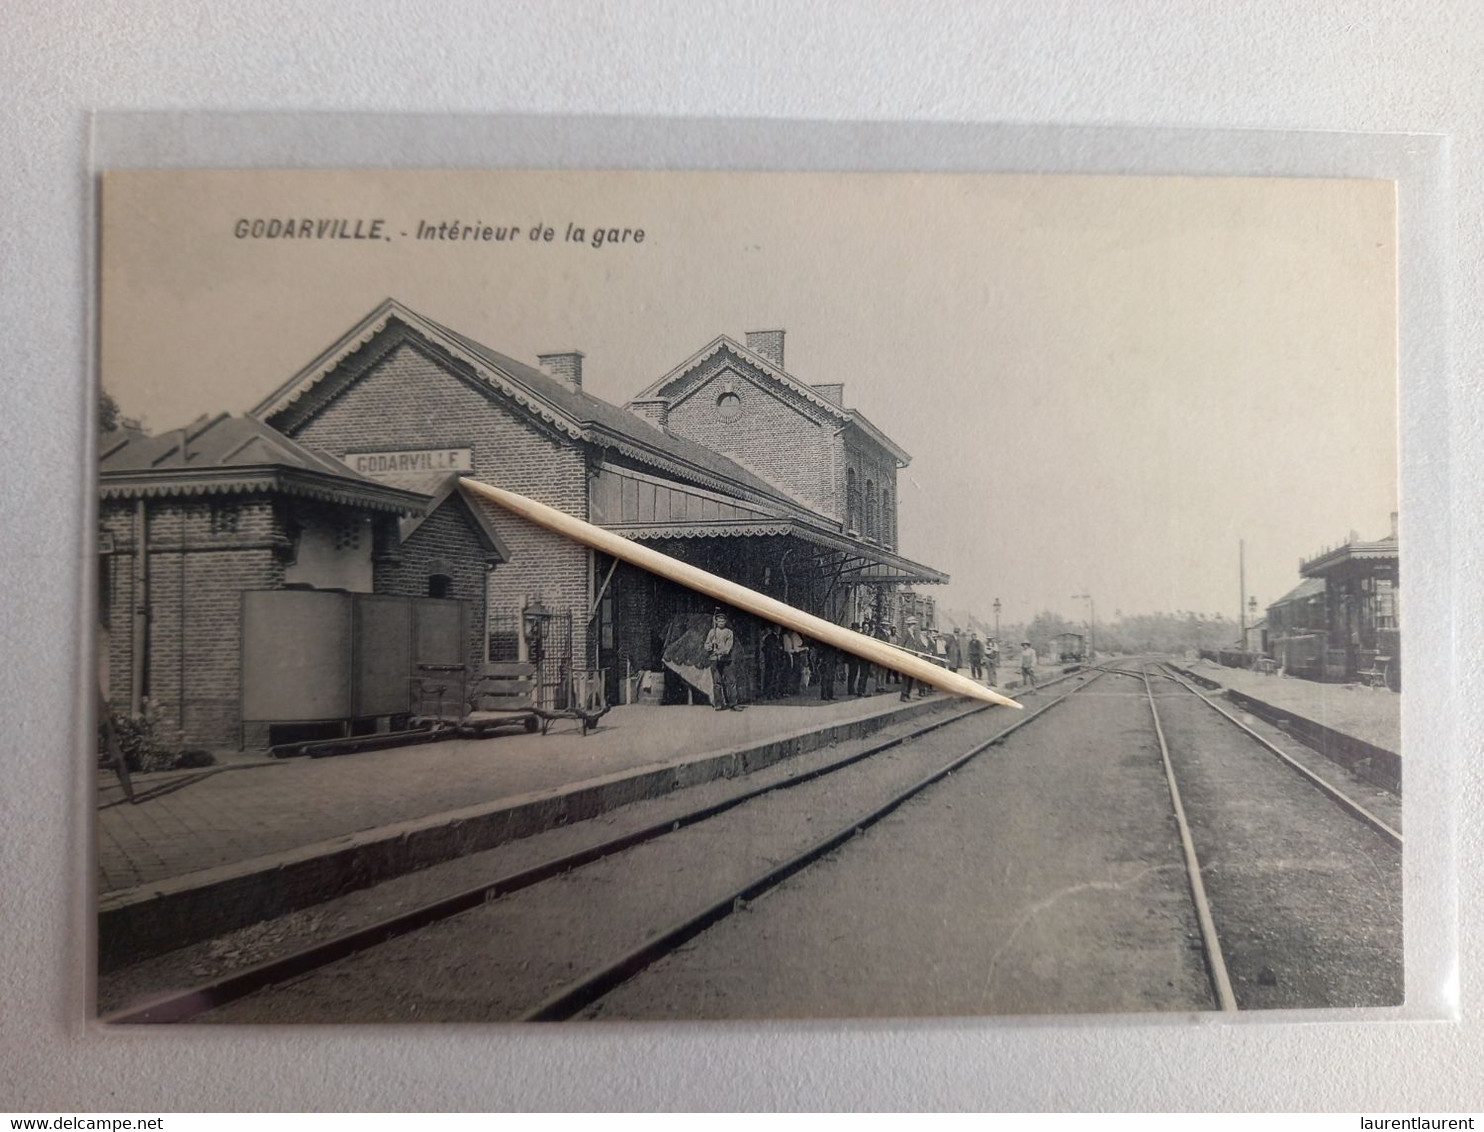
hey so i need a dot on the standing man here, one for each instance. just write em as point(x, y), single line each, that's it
point(912, 641)
point(882, 632)
point(773, 663)
point(827, 661)
point(954, 650)
point(719, 645)
point(855, 669)
point(976, 655)
point(991, 660)
point(1027, 664)
point(793, 655)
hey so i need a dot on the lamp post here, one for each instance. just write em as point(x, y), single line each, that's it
point(1091, 618)
point(997, 620)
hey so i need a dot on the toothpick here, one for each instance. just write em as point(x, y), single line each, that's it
point(738, 596)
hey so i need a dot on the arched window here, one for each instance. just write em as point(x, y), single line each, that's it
point(870, 509)
point(852, 501)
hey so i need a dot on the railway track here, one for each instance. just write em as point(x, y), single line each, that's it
point(1254, 945)
point(1332, 905)
point(198, 1000)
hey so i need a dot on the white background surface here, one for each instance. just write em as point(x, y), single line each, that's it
point(1274, 65)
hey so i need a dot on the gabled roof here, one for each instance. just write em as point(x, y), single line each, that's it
point(226, 454)
point(676, 385)
point(578, 414)
point(474, 507)
point(1308, 588)
point(673, 386)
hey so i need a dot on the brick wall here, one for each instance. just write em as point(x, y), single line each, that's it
point(408, 398)
point(655, 412)
point(202, 555)
point(446, 534)
point(871, 464)
point(775, 435)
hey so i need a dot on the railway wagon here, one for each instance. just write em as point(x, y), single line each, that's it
point(1070, 648)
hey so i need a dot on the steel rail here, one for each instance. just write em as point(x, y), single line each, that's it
point(184, 1005)
point(1215, 960)
point(1343, 800)
point(602, 980)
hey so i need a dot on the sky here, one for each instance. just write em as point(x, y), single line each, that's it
point(1105, 383)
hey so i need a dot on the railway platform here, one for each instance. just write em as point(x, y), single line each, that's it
point(1372, 715)
point(206, 852)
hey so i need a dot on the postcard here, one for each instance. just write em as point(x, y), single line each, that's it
point(374, 748)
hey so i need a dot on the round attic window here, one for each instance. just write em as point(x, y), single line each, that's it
point(729, 406)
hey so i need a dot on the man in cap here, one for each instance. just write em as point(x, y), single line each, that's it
point(719, 645)
point(1027, 664)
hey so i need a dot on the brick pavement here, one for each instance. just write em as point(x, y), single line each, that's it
point(223, 818)
point(1371, 714)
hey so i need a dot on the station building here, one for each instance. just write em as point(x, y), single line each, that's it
point(729, 461)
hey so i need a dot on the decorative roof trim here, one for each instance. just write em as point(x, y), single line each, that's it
point(373, 325)
point(263, 478)
point(711, 528)
point(905, 567)
point(376, 322)
point(715, 346)
point(1350, 552)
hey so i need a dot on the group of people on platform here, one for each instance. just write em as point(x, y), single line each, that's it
point(790, 664)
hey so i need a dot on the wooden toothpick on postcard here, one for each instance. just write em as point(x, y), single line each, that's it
point(738, 596)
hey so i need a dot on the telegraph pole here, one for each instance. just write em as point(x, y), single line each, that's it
point(1242, 605)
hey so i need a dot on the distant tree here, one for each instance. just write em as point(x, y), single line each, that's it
point(1044, 627)
point(108, 411)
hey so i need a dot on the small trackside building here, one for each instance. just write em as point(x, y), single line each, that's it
point(200, 527)
point(1343, 621)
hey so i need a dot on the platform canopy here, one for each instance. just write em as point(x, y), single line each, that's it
point(651, 509)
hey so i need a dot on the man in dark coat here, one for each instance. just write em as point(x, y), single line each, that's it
point(826, 659)
point(953, 650)
point(774, 663)
point(976, 656)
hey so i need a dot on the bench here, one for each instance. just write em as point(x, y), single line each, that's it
point(1376, 676)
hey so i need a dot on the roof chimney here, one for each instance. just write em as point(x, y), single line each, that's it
point(768, 343)
point(565, 367)
point(834, 393)
point(1393, 524)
